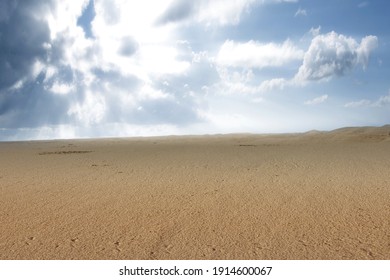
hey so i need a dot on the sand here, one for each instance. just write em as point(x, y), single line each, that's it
point(316, 195)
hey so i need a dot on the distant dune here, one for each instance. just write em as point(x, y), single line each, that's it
point(313, 195)
point(363, 133)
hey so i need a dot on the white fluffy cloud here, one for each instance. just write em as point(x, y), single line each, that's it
point(253, 54)
point(334, 54)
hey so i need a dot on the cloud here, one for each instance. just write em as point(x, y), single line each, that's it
point(32, 106)
point(234, 82)
point(382, 101)
point(22, 41)
point(244, 82)
point(315, 31)
point(128, 46)
point(178, 10)
point(273, 84)
point(109, 10)
point(236, 62)
point(334, 54)
point(224, 12)
point(300, 12)
point(61, 88)
point(27, 95)
point(317, 100)
point(220, 12)
point(6, 9)
point(360, 103)
point(254, 54)
point(91, 110)
point(367, 45)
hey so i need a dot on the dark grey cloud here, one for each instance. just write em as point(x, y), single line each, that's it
point(6, 9)
point(22, 38)
point(179, 10)
point(32, 106)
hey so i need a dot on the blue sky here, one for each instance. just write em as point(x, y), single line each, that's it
point(99, 68)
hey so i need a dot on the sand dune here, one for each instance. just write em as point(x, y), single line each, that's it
point(315, 195)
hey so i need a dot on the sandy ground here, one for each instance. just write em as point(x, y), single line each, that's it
point(295, 196)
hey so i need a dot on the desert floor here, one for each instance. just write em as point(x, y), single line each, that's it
point(315, 195)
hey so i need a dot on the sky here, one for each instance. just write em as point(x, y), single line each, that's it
point(117, 68)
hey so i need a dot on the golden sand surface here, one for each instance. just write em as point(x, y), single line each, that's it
point(315, 195)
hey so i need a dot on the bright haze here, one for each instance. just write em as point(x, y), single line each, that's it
point(118, 68)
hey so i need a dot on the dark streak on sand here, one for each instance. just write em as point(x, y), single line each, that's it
point(64, 153)
point(246, 145)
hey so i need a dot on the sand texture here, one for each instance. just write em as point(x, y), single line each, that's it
point(316, 195)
